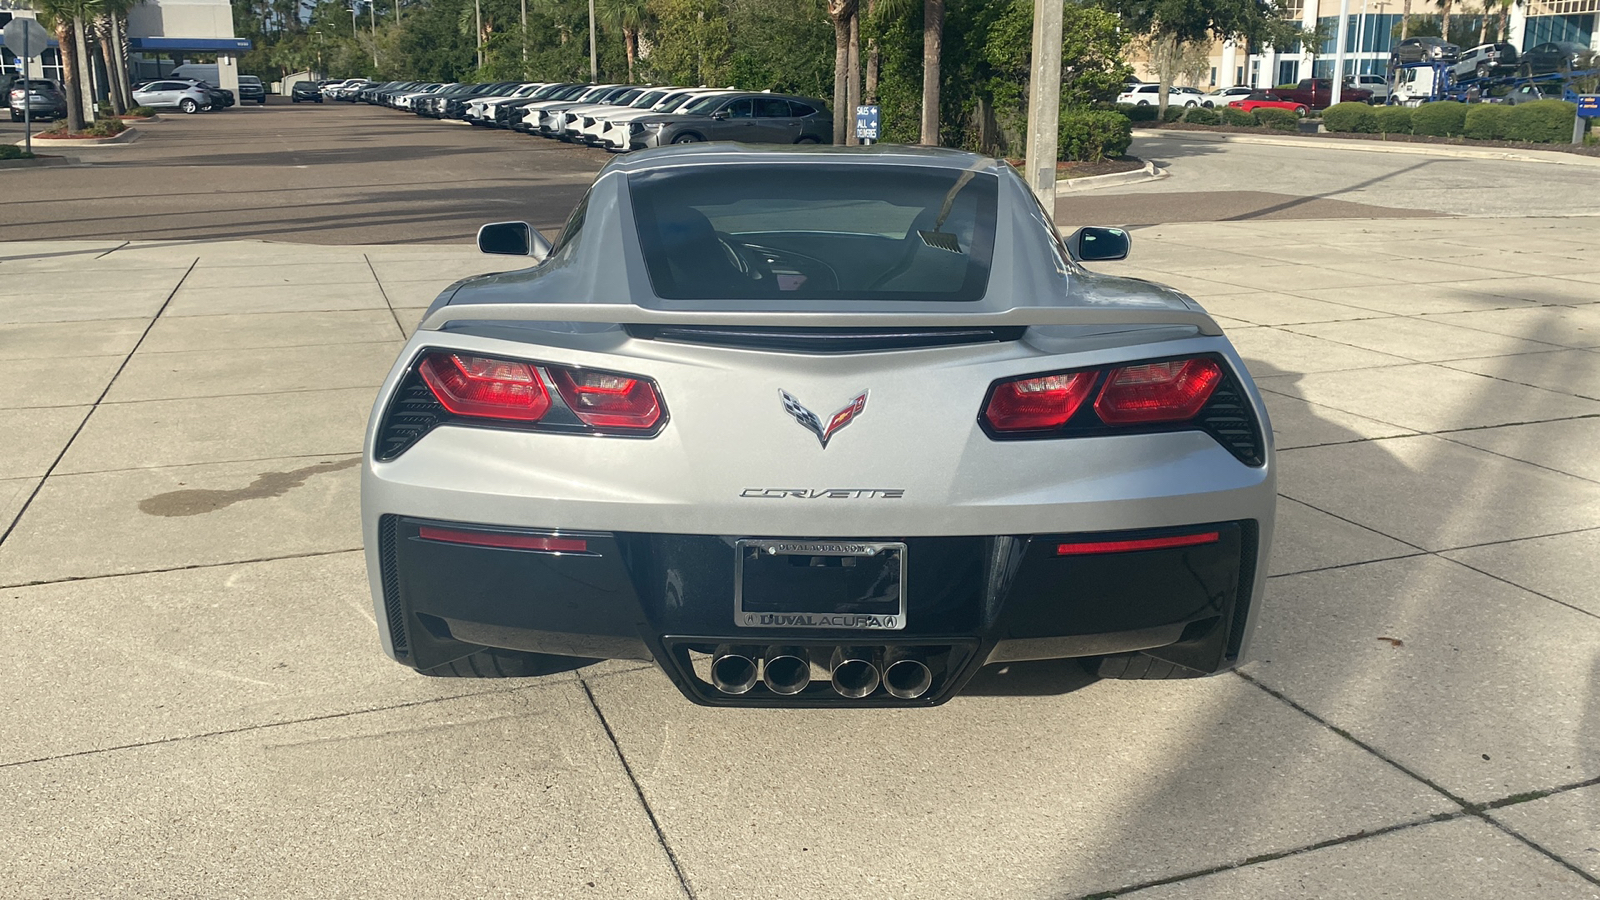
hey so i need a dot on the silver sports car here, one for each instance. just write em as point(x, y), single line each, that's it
point(816, 427)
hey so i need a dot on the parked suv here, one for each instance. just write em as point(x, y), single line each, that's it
point(751, 118)
point(251, 88)
point(44, 99)
point(1419, 49)
point(1485, 60)
point(184, 95)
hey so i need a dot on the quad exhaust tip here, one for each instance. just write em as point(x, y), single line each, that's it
point(786, 670)
point(906, 674)
point(733, 669)
point(854, 673)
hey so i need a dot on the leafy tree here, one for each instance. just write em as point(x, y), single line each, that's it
point(629, 17)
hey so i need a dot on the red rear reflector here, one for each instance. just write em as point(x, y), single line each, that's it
point(1034, 403)
point(504, 541)
point(1157, 392)
point(607, 400)
point(485, 387)
point(1158, 543)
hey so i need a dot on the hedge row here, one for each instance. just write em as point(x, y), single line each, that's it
point(1277, 119)
point(1540, 122)
point(1091, 135)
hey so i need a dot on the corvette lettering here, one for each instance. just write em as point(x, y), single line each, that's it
point(813, 423)
point(826, 493)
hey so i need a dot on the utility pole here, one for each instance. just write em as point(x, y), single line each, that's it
point(594, 60)
point(477, 18)
point(320, 72)
point(1044, 104)
point(1338, 51)
point(372, 7)
point(524, 38)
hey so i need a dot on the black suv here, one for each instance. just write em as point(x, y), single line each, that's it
point(44, 99)
point(251, 88)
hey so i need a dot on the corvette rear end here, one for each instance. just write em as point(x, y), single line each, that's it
point(816, 429)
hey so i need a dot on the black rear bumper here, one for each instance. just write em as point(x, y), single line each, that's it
point(970, 601)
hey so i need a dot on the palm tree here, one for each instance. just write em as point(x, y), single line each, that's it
point(932, 50)
point(842, 12)
point(107, 13)
point(63, 16)
point(1444, 20)
point(629, 17)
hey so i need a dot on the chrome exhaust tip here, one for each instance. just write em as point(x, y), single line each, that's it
point(905, 674)
point(733, 669)
point(786, 670)
point(853, 673)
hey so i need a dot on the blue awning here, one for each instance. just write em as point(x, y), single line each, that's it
point(207, 45)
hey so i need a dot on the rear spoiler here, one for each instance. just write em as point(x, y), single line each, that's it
point(628, 314)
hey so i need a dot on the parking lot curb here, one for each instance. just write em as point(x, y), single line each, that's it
point(36, 162)
point(1436, 150)
point(126, 137)
point(1150, 172)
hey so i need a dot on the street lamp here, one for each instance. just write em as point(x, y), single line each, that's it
point(320, 72)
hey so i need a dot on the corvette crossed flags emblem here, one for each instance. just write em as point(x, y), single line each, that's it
point(813, 423)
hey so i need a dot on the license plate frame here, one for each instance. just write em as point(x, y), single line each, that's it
point(754, 564)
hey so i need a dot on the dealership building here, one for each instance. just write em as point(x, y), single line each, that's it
point(161, 35)
point(1370, 32)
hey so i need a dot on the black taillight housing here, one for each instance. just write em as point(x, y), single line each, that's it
point(1143, 396)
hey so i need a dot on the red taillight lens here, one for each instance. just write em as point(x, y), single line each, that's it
point(1087, 548)
point(1035, 403)
point(485, 387)
point(1157, 392)
point(607, 400)
point(505, 541)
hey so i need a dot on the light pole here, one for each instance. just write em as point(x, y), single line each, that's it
point(372, 7)
point(320, 72)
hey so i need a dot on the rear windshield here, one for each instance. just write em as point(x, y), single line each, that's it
point(836, 232)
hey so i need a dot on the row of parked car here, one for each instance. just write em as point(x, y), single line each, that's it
point(42, 98)
point(616, 117)
point(1496, 58)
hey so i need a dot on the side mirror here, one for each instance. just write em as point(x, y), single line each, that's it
point(1094, 244)
point(513, 239)
point(720, 114)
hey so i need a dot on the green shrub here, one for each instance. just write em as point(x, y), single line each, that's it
point(1541, 122)
point(11, 151)
point(1233, 115)
point(1092, 135)
point(1199, 115)
point(140, 111)
point(1277, 119)
point(1358, 118)
point(1287, 86)
point(1146, 113)
point(1441, 118)
point(105, 127)
point(1392, 119)
point(1172, 113)
point(1486, 121)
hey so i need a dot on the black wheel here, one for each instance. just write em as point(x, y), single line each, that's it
point(319, 99)
point(1301, 111)
point(1137, 667)
point(808, 139)
point(1144, 102)
point(492, 662)
point(262, 101)
point(687, 139)
point(1484, 69)
point(294, 99)
point(188, 106)
point(15, 116)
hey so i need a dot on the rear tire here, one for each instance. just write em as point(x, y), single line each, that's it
point(688, 139)
point(1301, 111)
point(188, 107)
point(493, 662)
point(808, 140)
point(15, 117)
point(1138, 667)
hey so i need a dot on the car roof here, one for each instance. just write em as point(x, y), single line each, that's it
point(878, 154)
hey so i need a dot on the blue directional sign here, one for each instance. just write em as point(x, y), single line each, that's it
point(867, 123)
point(1588, 106)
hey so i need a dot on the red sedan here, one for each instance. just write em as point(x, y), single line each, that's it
point(1269, 100)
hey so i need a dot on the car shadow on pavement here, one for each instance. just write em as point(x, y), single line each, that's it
point(1033, 678)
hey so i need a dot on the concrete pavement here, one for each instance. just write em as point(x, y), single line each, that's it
point(195, 701)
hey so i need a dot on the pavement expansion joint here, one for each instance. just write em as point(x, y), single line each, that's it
point(32, 495)
point(638, 790)
point(386, 301)
point(212, 565)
